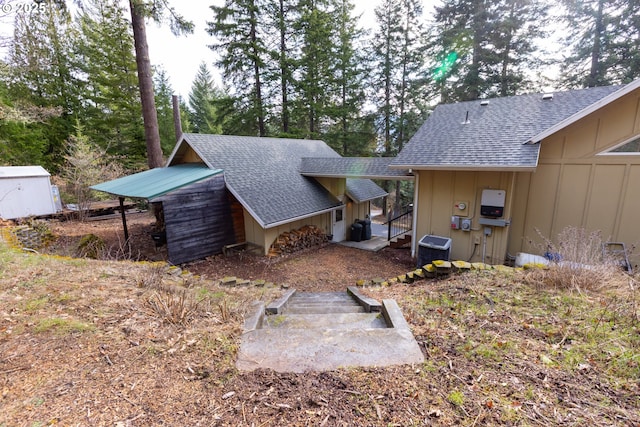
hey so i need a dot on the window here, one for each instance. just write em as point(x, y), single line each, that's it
point(631, 146)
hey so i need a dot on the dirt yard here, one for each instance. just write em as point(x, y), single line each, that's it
point(118, 343)
point(336, 268)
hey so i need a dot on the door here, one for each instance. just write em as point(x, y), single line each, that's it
point(338, 228)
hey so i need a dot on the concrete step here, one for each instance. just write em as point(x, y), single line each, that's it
point(290, 342)
point(323, 309)
point(320, 295)
point(331, 298)
point(330, 321)
point(321, 303)
point(300, 350)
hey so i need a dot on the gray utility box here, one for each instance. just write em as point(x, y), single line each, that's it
point(431, 248)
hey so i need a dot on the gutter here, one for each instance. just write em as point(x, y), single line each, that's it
point(483, 168)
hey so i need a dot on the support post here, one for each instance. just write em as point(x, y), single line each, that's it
point(124, 220)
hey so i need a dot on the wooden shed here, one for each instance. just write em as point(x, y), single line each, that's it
point(197, 220)
point(193, 208)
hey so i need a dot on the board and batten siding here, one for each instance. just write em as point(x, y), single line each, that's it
point(198, 220)
point(576, 185)
point(438, 194)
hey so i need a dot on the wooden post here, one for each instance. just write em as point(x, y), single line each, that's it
point(124, 220)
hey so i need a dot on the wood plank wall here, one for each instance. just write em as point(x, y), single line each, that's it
point(198, 220)
point(237, 216)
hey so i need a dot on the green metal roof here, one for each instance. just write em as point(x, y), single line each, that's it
point(156, 182)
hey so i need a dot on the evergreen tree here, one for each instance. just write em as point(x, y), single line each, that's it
point(521, 24)
point(315, 65)
point(280, 18)
point(398, 61)
point(164, 108)
point(243, 54)
point(112, 103)
point(201, 102)
point(627, 45)
point(384, 57)
point(598, 40)
point(41, 74)
point(348, 133)
point(22, 137)
point(485, 48)
point(410, 85)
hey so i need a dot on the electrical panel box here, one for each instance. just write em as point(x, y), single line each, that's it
point(465, 224)
point(492, 203)
point(455, 222)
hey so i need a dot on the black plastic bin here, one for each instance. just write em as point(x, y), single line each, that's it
point(431, 248)
point(356, 232)
point(366, 229)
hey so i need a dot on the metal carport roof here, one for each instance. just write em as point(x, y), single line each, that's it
point(156, 182)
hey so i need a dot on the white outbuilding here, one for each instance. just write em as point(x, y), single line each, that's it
point(27, 191)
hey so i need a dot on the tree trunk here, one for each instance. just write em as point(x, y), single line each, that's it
point(262, 131)
point(284, 69)
point(149, 116)
point(595, 73)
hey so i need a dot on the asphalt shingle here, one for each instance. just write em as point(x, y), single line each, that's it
point(362, 190)
point(264, 174)
point(354, 167)
point(493, 135)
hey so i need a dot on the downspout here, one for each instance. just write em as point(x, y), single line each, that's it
point(414, 238)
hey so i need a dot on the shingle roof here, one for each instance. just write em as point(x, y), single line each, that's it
point(263, 173)
point(494, 135)
point(353, 167)
point(362, 190)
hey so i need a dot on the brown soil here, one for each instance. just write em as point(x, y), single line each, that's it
point(116, 343)
point(336, 266)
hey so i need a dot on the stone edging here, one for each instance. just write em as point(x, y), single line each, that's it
point(441, 269)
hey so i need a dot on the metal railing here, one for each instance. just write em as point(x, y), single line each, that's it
point(400, 224)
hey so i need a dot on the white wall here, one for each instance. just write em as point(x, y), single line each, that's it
point(24, 196)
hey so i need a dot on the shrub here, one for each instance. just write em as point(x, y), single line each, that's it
point(90, 246)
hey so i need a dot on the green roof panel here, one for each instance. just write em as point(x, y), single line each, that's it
point(156, 182)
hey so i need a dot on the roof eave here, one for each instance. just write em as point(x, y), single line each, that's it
point(244, 204)
point(259, 220)
point(309, 215)
point(585, 112)
point(457, 167)
point(368, 199)
point(358, 176)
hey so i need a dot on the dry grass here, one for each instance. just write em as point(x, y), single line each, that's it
point(80, 344)
point(580, 263)
point(178, 308)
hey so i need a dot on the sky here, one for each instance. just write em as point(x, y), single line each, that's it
point(180, 56)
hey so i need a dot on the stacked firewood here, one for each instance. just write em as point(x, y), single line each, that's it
point(295, 240)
